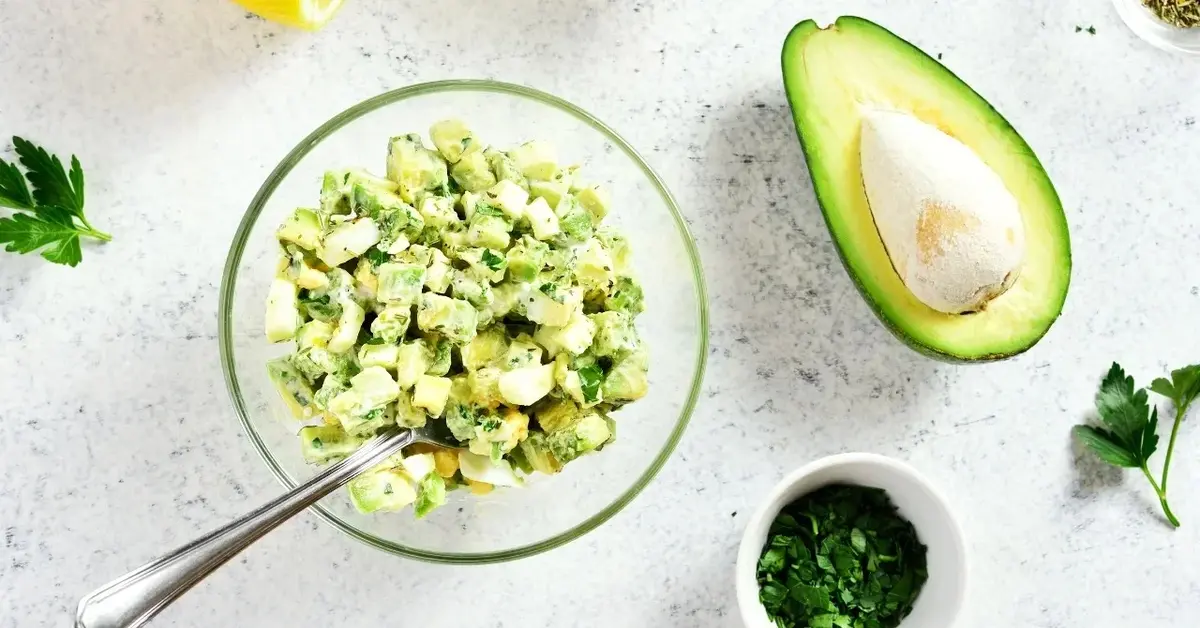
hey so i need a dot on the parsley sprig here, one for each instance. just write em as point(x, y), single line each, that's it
point(48, 217)
point(1129, 435)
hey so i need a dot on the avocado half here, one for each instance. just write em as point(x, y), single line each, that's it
point(831, 75)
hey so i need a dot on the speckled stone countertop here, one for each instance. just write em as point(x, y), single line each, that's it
point(118, 440)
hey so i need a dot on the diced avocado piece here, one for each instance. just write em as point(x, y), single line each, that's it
point(461, 416)
point(573, 220)
point(400, 283)
point(438, 212)
point(522, 352)
point(575, 337)
point(333, 194)
point(542, 219)
point(485, 387)
point(525, 386)
point(398, 223)
point(596, 201)
point(594, 266)
point(474, 291)
point(557, 414)
point(615, 334)
point(371, 389)
point(551, 191)
point(526, 259)
point(626, 296)
point(303, 227)
point(431, 493)
point(411, 363)
point(283, 314)
point(618, 250)
point(488, 346)
point(292, 386)
point(340, 366)
point(330, 387)
point(453, 139)
point(431, 394)
point(349, 324)
point(408, 415)
point(452, 318)
point(488, 230)
point(437, 354)
point(504, 167)
point(321, 307)
point(313, 334)
point(537, 453)
point(414, 167)
point(509, 197)
point(303, 362)
point(584, 435)
point(321, 444)
point(392, 323)
point(536, 160)
point(382, 354)
point(348, 241)
point(831, 76)
point(472, 173)
point(626, 380)
point(485, 264)
point(369, 424)
point(384, 489)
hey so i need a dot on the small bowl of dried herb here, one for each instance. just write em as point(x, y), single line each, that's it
point(1168, 24)
point(852, 541)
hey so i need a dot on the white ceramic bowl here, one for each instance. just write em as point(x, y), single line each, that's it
point(942, 597)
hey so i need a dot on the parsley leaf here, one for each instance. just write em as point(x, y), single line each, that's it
point(55, 222)
point(49, 227)
point(589, 381)
point(13, 191)
point(1130, 433)
point(377, 257)
point(51, 183)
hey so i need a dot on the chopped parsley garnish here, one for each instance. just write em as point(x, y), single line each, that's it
point(841, 557)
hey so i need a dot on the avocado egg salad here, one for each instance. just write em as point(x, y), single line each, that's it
point(470, 285)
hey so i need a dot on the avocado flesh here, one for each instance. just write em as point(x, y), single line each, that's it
point(834, 74)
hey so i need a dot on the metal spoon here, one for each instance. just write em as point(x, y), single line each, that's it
point(136, 597)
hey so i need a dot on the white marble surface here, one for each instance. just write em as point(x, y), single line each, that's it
point(118, 441)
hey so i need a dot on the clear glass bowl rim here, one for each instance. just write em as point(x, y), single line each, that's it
point(250, 218)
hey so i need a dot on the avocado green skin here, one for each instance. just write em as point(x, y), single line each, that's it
point(795, 39)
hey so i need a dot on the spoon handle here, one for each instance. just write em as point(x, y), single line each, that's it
point(136, 597)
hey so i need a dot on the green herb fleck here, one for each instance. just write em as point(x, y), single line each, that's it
point(377, 257)
point(491, 260)
point(589, 381)
point(317, 444)
point(841, 557)
point(1129, 435)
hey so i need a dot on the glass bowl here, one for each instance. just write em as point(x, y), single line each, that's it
point(550, 510)
point(1154, 31)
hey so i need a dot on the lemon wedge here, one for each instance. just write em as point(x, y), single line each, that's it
point(306, 14)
